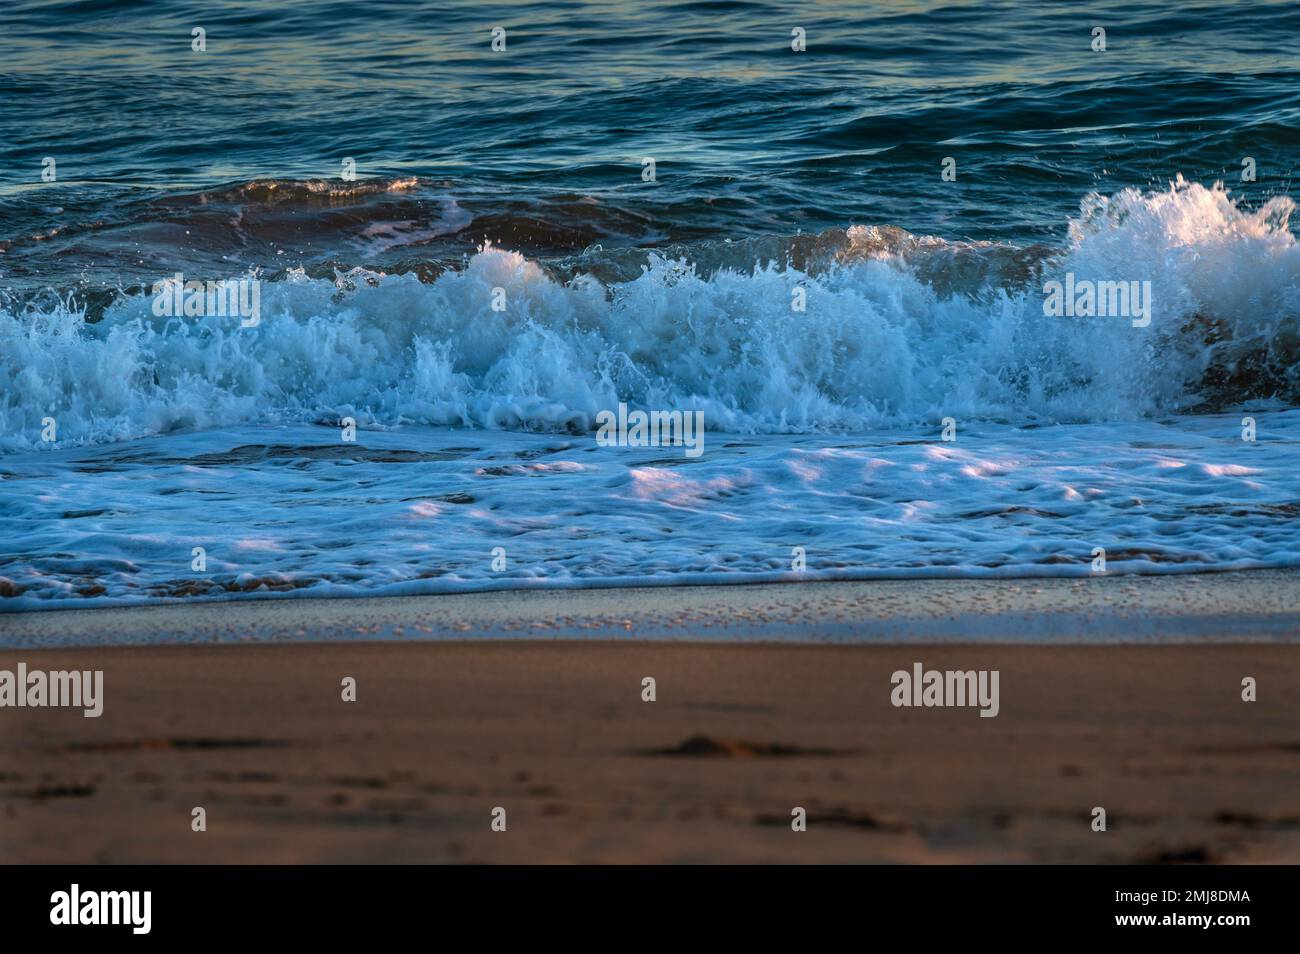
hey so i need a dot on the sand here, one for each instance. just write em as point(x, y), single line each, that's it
point(741, 732)
point(1262, 605)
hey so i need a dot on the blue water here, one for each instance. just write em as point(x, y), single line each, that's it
point(502, 269)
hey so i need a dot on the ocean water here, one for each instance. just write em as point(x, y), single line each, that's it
point(506, 264)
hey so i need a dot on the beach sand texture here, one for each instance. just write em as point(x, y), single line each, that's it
point(556, 732)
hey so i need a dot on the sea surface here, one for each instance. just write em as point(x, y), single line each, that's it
point(472, 252)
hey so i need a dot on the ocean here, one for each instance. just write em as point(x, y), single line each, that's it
point(957, 290)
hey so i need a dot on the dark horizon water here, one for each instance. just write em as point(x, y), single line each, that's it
point(799, 273)
point(230, 159)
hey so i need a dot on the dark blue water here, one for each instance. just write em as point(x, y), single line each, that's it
point(541, 146)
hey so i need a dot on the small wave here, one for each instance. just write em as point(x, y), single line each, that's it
point(302, 191)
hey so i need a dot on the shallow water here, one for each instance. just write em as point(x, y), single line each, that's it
point(293, 510)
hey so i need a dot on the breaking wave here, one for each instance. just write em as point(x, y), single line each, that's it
point(897, 329)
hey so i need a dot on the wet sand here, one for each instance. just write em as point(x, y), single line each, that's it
point(1255, 606)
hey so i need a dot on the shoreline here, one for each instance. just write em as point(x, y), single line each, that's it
point(1119, 692)
point(1226, 607)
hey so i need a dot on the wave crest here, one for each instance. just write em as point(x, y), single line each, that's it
point(897, 329)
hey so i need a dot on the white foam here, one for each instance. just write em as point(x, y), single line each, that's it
point(877, 346)
point(422, 510)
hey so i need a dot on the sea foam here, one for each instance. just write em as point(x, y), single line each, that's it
point(893, 334)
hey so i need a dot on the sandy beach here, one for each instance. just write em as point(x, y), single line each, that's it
point(1261, 605)
point(555, 731)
